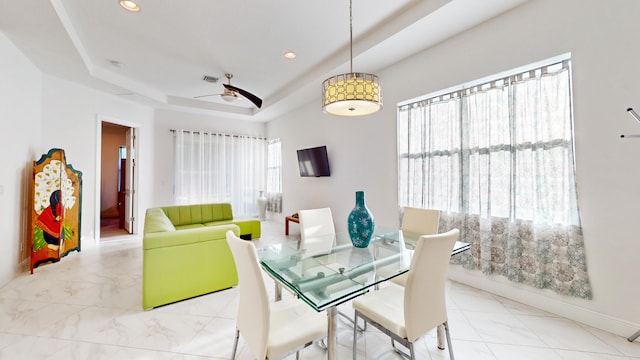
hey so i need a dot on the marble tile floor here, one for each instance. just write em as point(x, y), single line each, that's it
point(88, 306)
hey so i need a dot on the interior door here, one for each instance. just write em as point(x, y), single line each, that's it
point(129, 190)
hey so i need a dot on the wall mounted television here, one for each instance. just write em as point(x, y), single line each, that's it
point(313, 162)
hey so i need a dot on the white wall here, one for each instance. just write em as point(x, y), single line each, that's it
point(72, 116)
point(166, 120)
point(361, 155)
point(602, 37)
point(39, 112)
point(20, 117)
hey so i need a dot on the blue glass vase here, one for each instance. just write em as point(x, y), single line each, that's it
point(360, 223)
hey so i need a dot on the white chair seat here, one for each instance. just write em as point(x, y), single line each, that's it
point(405, 313)
point(293, 322)
point(272, 330)
point(386, 307)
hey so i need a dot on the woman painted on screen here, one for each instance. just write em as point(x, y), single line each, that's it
point(50, 220)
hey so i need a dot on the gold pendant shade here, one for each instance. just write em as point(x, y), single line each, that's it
point(352, 94)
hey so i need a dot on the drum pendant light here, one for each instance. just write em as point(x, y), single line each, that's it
point(351, 94)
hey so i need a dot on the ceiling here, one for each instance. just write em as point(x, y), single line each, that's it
point(159, 55)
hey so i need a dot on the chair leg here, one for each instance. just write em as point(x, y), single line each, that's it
point(410, 355)
point(446, 331)
point(235, 344)
point(322, 343)
point(355, 333)
point(440, 335)
point(346, 317)
point(362, 328)
point(356, 328)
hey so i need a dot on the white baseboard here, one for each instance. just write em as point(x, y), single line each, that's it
point(543, 300)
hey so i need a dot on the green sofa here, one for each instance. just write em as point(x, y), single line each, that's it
point(185, 252)
point(191, 216)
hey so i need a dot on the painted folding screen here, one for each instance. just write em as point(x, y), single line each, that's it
point(56, 211)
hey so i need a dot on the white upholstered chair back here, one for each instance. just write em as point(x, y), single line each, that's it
point(424, 292)
point(420, 221)
point(272, 330)
point(316, 229)
point(253, 308)
point(316, 222)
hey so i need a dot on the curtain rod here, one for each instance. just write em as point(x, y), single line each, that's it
point(562, 62)
point(213, 133)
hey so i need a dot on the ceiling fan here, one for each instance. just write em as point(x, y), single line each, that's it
point(231, 93)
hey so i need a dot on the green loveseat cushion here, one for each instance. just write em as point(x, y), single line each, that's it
point(198, 214)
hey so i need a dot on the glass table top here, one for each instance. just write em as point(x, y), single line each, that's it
point(329, 270)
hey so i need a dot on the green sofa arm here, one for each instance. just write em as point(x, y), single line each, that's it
point(186, 236)
point(180, 264)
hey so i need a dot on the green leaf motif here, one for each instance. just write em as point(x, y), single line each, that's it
point(67, 232)
point(38, 239)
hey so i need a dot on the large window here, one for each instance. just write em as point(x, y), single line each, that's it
point(211, 167)
point(497, 158)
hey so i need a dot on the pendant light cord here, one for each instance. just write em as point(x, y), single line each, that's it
point(351, 36)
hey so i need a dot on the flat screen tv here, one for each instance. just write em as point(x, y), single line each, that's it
point(313, 162)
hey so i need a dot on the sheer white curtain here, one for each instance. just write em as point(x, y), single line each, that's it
point(429, 154)
point(211, 167)
point(274, 176)
point(498, 160)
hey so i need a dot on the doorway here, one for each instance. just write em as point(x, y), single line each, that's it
point(116, 180)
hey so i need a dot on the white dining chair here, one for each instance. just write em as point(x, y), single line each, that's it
point(316, 225)
point(272, 330)
point(421, 222)
point(407, 313)
point(317, 236)
point(418, 222)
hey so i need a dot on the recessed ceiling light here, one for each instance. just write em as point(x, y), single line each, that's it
point(130, 5)
point(290, 55)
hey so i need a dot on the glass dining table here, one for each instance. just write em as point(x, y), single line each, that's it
point(327, 271)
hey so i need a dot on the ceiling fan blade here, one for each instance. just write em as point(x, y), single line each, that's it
point(254, 99)
point(201, 96)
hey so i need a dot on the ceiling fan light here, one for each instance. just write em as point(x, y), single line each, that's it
point(229, 97)
point(352, 94)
